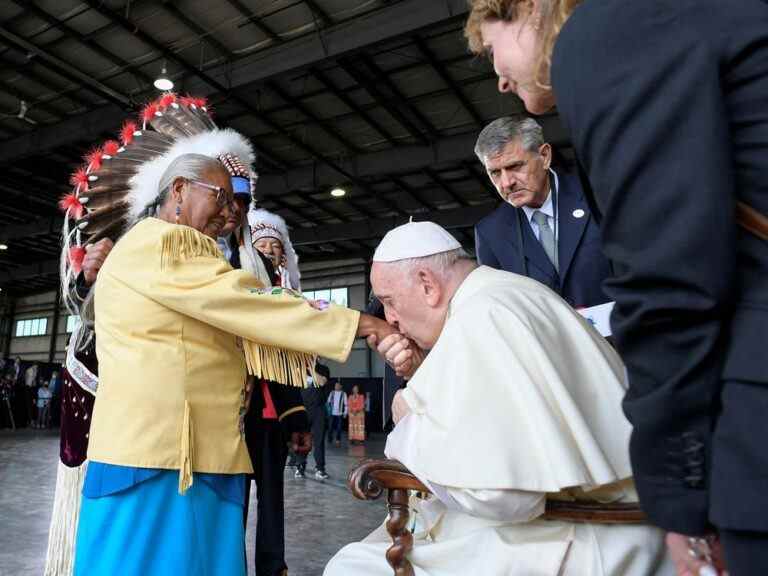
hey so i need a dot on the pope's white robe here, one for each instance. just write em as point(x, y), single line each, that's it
point(518, 402)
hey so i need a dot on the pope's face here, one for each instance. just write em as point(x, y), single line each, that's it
point(513, 49)
point(405, 304)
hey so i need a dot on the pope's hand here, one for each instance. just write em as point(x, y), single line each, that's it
point(400, 408)
point(95, 255)
point(400, 353)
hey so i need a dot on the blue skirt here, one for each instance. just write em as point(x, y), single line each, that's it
point(150, 529)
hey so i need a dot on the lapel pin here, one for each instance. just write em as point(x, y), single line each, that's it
point(578, 213)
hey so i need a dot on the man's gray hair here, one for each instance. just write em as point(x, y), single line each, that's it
point(189, 166)
point(440, 264)
point(494, 137)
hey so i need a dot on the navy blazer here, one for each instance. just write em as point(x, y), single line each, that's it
point(666, 103)
point(582, 264)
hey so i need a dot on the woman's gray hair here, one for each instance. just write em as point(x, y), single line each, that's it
point(440, 264)
point(494, 137)
point(189, 166)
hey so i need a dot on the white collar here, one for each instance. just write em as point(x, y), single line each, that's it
point(548, 207)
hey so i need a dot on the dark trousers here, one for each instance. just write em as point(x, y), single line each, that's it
point(746, 553)
point(268, 452)
point(337, 423)
point(317, 418)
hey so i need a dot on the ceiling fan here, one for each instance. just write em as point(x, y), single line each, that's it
point(21, 114)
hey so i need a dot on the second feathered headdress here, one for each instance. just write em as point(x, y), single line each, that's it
point(265, 224)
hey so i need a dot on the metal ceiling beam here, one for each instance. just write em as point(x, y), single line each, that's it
point(404, 17)
point(317, 11)
point(398, 96)
point(301, 107)
point(46, 267)
point(443, 73)
point(64, 68)
point(435, 177)
point(40, 226)
point(82, 38)
point(132, 28)
point(400, 183)
point(324, 206)
point(352, 105)
point(414, 158)
point(28, 72)
point(455, 218)
point(253, 19)
point(369, 86)
point(474, 169)
point(205, 35)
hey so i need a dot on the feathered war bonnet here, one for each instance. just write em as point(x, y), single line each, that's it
point(120, 180)
point(265, 224)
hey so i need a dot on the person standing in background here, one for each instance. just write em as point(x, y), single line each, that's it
point(315, 396)
point(30, 393)
point(356, 403)
point(338, 403)
point(44, 395)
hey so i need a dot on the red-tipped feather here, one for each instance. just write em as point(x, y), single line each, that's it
point(149, 111)
point(111, 147)
point(201, 102)
point(188, 100)
point(71, 203)
point(93, 159)
point(167, 99)
point(79, 178)
point(76, 257)
point(129, 127)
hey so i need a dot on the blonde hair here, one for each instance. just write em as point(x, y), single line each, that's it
point(551, 16)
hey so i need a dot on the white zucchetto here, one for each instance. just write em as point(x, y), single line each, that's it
point(414, 240)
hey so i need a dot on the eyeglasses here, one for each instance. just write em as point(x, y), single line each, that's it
point(221, 193)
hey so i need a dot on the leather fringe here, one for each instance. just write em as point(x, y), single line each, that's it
point(282, 366)
point(182, 243)
point(60, 557)
point(186, 451)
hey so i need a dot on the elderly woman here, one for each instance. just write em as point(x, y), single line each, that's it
point(667, 106)
point(269, 235)
point(177, 332)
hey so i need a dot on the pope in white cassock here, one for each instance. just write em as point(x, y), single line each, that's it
point(517, 402)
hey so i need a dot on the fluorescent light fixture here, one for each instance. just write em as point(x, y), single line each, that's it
point(3, 246)
point(338, 192)
point(163, 82)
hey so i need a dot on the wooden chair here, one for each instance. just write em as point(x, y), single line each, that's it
point(371, 478)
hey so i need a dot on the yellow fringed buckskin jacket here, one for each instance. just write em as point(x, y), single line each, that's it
point(177, 331)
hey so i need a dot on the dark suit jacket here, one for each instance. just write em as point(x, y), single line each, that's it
point(667, 105)
point(582, 264)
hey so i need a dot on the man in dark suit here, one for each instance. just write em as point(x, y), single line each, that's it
point(544, 229)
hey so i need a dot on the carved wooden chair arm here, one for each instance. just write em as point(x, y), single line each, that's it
point(371, 478)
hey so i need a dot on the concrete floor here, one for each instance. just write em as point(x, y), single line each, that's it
point(320, 517)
